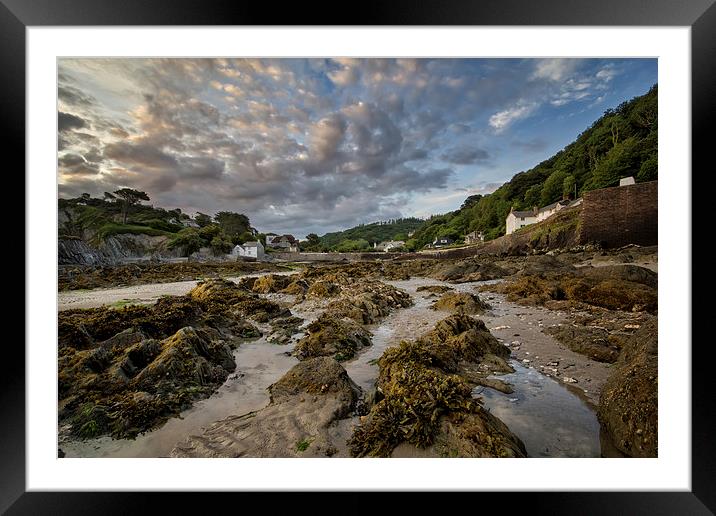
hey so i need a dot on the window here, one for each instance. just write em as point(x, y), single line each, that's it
point(522, 218)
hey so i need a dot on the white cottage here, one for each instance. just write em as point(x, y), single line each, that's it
point(390, 245)
point(518, 219)
point(249, 250)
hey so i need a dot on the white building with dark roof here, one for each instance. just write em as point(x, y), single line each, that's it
point(249, 250)
point(519, 219)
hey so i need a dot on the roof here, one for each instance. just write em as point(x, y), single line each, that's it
point(553, 205)
point(523, 213)
point(250, 244)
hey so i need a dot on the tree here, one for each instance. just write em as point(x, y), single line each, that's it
point(129, 197)
point(470, 201)
point(202, 219)
point(552, 188)
point(109, 197)
point(649, 170)
point(568, 187)
point(312, 243)
point(233, 224)
point(532, 195)
point(220, 245)
point(187, 239)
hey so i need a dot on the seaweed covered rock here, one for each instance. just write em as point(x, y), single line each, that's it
point(628, 405)
point(296, 288)
point(544, 264)
point(322, 289)
point(186, 358)
point(329, 335)
point(368, 302)
point(425, 405)
point(321, 375)
point(124, 387)
point(434, 289)
point(622, 272)
point(471, 269)
point(461, 303)
point(592, 341)
point(271, 283)
point(578, 288)
point(127, 370)
point(78, 277)
point(305, 405)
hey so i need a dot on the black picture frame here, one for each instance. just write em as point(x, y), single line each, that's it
point(700, 15)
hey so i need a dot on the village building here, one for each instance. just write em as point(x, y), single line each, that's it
point(442, 242)
point(285, 243)
point(388, 246)
point(253, 250)
point(519, 219)
point(475, 237)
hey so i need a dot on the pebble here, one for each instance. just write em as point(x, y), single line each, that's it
point(525, 361)
point(569, 379)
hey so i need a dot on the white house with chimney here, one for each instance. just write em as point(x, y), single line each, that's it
point(519, 219)
point(253, 249)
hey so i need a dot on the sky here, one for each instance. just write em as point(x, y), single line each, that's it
point(315, 145)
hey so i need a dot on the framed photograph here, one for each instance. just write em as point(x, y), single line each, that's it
point(387, 256)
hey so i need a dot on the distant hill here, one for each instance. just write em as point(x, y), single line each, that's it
point(623, 142)
point(365, 235)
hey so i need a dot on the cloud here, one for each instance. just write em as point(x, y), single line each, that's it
point(553, 69)
point(501, 120)
point(68, 121)
point(74, 164)
point(465, 155)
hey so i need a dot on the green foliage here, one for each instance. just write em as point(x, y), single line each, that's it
point(220, 245)
point(568, 187)
point(303, 445)
point(312, 244)
point(246, 236)
point(648, 170)
point(118, 229)
point(187, 239)
point(202, 219)
point(207, 233)
point(375, 232)
point(128, 197)
point(348, 246)
point(552, 188)
point(233, 224)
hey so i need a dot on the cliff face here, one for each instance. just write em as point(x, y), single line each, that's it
point(78, 252)
point(114, 249)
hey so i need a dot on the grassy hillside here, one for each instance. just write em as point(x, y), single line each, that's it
point(623, 142)
point(364, 235)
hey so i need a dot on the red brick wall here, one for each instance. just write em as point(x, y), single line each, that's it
point(621, 215)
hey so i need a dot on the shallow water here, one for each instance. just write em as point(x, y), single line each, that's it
point(550, 420)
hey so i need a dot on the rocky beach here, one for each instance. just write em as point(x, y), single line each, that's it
point(544, 355)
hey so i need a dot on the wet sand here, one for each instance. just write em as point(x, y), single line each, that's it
point(138, 294)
